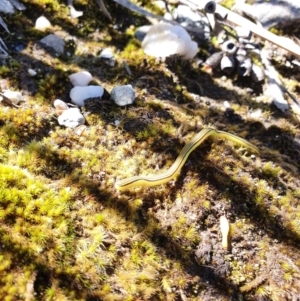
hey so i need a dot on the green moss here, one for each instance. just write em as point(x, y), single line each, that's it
point(227, 3)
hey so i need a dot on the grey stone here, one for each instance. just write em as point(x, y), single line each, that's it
point(123, 95)
point(71, 118)
point(55, 42)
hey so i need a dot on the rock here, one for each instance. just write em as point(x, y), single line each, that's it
point(42, 23)
point(108, 56)
point(31, 72)
point(12, 97)
point(79, 94)
point(71, 118)
point(60, 106)
point(163, 40)
point(81, 78)
point(123, 95)
point(55, 42)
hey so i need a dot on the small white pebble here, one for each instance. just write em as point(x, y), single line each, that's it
point(226, 104)
point(71, 118)
point(60, 105)
point(81, 78)
point(42, 23)
point(79, 94)
point(31, 72)
point(117, 122)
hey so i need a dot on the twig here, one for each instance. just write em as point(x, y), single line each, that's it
point(104, 9)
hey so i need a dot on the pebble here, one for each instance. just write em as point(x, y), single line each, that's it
point(108, 56)
point(123, 95)
point(42, 23)
point(55, 42)
point(81, 78)
point(60, 106)
point(14, 97)
point(163, 40)
point(71, 118)
point(79, 94)
point(226, 104)
point(31, 72)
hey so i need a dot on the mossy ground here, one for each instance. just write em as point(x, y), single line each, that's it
point(67, 234)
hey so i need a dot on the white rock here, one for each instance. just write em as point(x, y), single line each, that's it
point(163, 40)
point(226, 104)
point(79, 94)
point(31, 72)
point(54, 42)
point(71, 118)
point(81, 78)
point(108, 56)
point(123, 95)
point(42, 23)
point(13, 96)
point(60, 105)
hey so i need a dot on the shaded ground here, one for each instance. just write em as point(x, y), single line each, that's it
point(67, 234)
